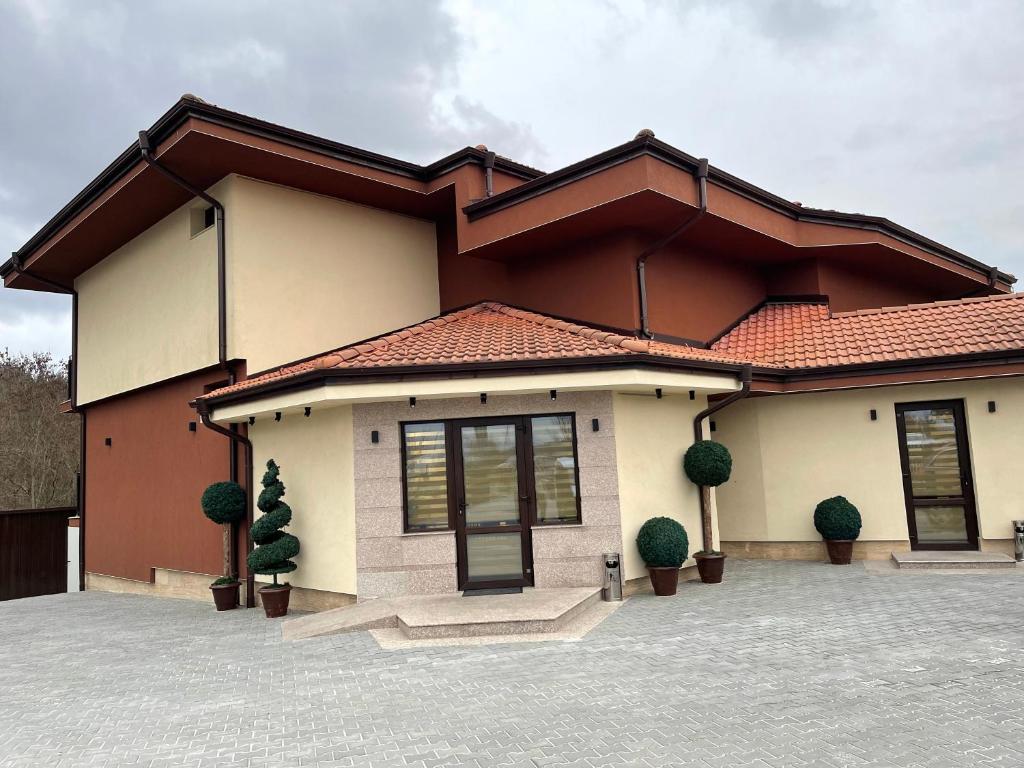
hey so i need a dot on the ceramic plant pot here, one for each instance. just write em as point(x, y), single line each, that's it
point(710, 567)
point(225, 596)
point(275, 600)
point(840, 551)
point(664, 580)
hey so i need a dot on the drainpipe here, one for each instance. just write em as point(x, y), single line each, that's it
point(702, 208)
point(698, 434)
point(489, 174)
point(203, 409)
point(146, 149)
point(993, 275)
point(19, 268)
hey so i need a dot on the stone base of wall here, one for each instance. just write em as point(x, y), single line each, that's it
point(809, 550)
point(1003, 546)
point(196, 586)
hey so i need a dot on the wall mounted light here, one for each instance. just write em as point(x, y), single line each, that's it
point(277, 416)
point(375, 436)
point(191, 426)
point(108, 441)
point(412, 402)
point(554, 394)
point(693, 395)
point(714, 426)
point(991, 406)
point(657, 393)
point(874, 415)
point(595, 425)
point(308, 411)
point(483, 398)
point(252, 420)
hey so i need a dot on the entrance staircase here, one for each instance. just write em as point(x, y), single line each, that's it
point(951, 560)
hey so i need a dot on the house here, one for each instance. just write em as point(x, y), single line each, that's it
point(473, 373)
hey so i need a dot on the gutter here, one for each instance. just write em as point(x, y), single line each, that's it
point(701, 174)
point(146, 147)
point(18, 268)
point(698, 434)
point(203, 409)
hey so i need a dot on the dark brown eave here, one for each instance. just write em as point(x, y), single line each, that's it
point(652, 147)
point(382, 374)
point(190, 108)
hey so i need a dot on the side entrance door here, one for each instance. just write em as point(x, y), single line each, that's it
point(493, 501)
point(937, 481)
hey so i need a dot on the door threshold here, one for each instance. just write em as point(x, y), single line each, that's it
point(492, 591)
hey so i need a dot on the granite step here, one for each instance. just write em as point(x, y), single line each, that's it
point(947, 559)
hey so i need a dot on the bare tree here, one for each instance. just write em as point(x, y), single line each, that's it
point(38, 443)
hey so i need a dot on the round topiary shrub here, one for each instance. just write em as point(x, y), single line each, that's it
point(707, 463)
point(275, 548)
point(224, 502)
point(837, 519)
point(663, 543)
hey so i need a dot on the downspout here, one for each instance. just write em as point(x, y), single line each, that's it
point(73, 397)
point(746, 375)
point(146, 149)
point(489, 174)
point(993, 276)
point(203, 409)
point(701, 175)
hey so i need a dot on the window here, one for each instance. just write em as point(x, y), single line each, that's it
point(554, 469)
point(426, 476)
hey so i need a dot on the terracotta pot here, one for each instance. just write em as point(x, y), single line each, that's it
point(710, 568)
point(275, 600)
point(840, 551)
point(664, 580)
point(225, 596)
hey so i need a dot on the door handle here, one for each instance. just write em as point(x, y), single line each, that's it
point(462, 508)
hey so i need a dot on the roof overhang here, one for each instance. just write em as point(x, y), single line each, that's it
point(325, 393)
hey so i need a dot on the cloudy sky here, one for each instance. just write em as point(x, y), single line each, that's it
point(911, 110)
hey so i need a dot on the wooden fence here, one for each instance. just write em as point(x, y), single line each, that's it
point(34, 552)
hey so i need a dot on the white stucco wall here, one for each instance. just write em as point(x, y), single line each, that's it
point(792, 451)
point(316, 460)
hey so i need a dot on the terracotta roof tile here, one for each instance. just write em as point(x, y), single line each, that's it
point(808, 335)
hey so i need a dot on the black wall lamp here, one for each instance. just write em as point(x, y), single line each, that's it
point(657, 393)
point(483, 398)
point(412, 402)
point(693, 395)
point(108, 441)
point(191, 426)
point(554, 394)
point(595, 425)
point(874, 415)
point(277, 416)
point(308, 411)
point(252, 420)
point(375, 436)
point(991, 406)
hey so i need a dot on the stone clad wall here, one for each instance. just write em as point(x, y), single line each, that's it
point(390, 562)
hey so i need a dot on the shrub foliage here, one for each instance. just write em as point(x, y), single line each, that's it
point(224, 502)
point(707, 463)
point(663, 543)
point(275, 548)
point(837, 519)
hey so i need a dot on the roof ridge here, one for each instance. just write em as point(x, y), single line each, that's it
point(929, 305)
point(629, 343)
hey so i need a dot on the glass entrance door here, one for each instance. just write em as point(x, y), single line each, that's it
point(492, 530)
point(937, 475)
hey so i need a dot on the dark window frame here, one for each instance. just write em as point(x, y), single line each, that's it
point(523, 420)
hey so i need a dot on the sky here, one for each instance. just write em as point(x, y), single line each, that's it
point(909, 110)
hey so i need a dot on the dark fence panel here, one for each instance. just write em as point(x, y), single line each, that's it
point(34, 552)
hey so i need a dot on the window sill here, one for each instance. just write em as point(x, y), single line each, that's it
point(544, 526)
point(428, 533)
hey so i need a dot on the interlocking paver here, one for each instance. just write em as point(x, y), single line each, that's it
point(785, 664)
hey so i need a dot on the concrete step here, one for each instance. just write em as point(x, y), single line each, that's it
point(945, 559)
point(372, 614)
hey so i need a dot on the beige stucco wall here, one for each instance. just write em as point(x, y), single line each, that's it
point(315, 456)
point(651, 437)
point(307, 273)
point(148, 311)
point(792, 451)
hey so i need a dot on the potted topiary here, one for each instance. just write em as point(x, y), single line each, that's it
point(275, 548)
point(708, 464)
point(224, 504)
point(838, 522)
point(663, 545)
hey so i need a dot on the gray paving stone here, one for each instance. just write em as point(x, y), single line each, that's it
point(790, 665)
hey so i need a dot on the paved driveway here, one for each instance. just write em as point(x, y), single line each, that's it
point(786, 664)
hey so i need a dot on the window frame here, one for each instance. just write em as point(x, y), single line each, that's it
point(524, 421)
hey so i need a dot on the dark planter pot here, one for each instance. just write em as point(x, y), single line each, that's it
point(275, 600)
point(840, 551)
point(225, 596)
point(664, 580)
point(710, 568)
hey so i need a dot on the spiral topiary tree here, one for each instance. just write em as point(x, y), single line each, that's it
point(707, 464)
point(837, 519)
point(224, 504)
point(274, 548)
point(663, 543)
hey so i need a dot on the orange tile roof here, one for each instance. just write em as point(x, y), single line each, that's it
point(782, 336)
point(488, 332)
point(809, 336)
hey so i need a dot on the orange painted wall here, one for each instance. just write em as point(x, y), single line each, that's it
point(142, 491)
